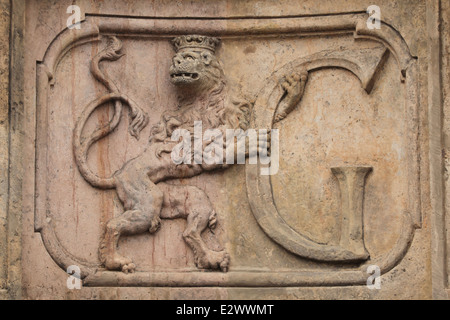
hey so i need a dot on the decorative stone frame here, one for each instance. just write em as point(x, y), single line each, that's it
point(355, 24)
point(12, 171)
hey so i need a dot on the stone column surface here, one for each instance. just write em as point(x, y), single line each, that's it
point(4, 136)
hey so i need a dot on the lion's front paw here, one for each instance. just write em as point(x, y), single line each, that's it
point(214, 260)
point(294, 86)
point(280, 116)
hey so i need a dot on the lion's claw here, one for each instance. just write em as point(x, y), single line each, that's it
point(225, 263)
point(129, 268)
point(214, 260)
point(294, 87)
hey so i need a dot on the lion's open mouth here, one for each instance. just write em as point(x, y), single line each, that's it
point(184, 75)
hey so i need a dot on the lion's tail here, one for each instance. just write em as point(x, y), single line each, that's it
point(81, 147)
point(139, 118)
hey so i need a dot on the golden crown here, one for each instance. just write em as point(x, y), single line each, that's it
point(195, 41)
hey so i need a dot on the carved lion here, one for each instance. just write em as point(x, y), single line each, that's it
point(142, 184)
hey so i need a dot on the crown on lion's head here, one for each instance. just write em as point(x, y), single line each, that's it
point(196, 41)
point(198, 74)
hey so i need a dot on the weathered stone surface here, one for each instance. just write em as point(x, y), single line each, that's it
point(361, 148)
point(4, 128)
point(441, 277)
point(4, 95)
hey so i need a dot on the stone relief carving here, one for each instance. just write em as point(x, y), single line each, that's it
point(144, 183)
point(141, 183)
point(365, 65)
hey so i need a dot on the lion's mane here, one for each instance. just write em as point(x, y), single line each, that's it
point(210, 107)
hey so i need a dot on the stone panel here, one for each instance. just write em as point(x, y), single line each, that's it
point(355, 181)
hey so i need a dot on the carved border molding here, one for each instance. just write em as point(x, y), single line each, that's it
point(351, 24)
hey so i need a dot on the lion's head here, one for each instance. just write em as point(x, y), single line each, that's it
point(199, 78)
point(195, 68)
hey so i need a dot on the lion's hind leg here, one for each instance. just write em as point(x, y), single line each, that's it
point(122, 225)
point(193, 204)
point(205, 258)
point(142, 200)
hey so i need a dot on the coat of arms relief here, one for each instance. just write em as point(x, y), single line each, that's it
point(249, 158)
